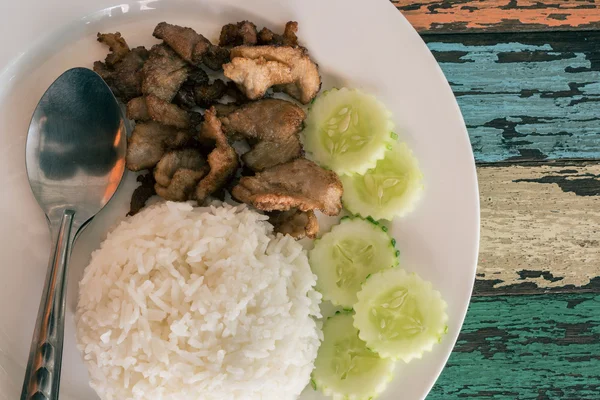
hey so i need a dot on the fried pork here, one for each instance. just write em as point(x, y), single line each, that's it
point(298, 184)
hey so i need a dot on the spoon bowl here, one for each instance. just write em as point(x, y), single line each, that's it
point(75, 157)
point(75, 151)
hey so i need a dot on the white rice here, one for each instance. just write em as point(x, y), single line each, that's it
point(198, 303)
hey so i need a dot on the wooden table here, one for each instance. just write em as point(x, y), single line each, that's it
point(526, 74)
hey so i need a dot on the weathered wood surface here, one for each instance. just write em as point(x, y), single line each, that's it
point(540, 227)
point(530, 101)
point(526, 347)
point(526, 96)
point(532, 97)
point(450, 16)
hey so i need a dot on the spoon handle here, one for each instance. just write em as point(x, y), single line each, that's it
point(42, 376)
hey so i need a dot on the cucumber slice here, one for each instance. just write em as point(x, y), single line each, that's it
point(347, 130)
point(345, 368)
point(343, 258)
point(389, 190)
point(399, 315)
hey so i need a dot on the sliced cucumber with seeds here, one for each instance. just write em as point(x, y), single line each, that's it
point(345, 368)
point(399, 315)
point(343, 258)
point(389, 190)
point(347, 130)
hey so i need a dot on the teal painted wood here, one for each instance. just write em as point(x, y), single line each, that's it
point(526, 96)
point(526, 347)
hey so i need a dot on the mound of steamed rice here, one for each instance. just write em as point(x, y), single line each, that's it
point(198, 303)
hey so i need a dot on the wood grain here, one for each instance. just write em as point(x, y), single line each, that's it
point(451, 16)
point(526, 96)
point(529, 101)
point(526, 347)
point(540, 227)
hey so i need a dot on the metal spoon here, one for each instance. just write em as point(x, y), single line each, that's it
point(75, 161)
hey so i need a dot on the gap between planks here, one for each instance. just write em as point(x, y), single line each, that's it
point(457, 16)
point(540, 228)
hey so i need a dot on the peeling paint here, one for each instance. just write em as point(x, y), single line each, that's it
point(499, 15)
point(540, 224)
point(526, 347)
point(525, 96)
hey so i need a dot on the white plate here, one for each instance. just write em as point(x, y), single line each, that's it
point(362, 44)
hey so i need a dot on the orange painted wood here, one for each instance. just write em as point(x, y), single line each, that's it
point(449, 16)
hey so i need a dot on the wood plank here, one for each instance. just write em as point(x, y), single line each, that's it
point(540, 227)
point(526, 96)
point(451, 16)
point(526, 347)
